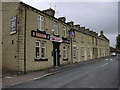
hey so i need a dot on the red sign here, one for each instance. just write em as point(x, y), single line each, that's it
point(55, 39)
point(40, 35)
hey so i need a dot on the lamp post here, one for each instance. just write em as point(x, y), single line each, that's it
point(71, 36)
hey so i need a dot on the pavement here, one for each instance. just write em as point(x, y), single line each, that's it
point(16, 80)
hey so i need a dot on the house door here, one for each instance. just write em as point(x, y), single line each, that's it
point(85, 54)
point(56, 54)
point(78, 55)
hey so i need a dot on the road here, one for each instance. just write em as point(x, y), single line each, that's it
point(102, 74)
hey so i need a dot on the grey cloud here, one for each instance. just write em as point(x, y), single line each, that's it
point(94, 15)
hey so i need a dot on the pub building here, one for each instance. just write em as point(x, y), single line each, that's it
point(35, 40)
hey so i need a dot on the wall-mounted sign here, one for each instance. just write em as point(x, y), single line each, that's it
point(13, 25)
point(55, 39)
point(71, 34)
point(40, 35)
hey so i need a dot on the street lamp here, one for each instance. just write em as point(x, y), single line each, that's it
point(71, 36)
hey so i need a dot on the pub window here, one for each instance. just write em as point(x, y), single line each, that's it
point(41, 23)
point(43, 49)
point(64, 31)
point(55, 28)
point(74, 51)
point(64, 53)
point(37, 49)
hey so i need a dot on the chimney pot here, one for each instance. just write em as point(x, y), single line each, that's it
point(101, 32)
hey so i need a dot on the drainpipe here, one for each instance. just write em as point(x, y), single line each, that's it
point(71, 52)
point(25, 41)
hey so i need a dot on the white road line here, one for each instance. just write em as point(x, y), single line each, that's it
point(42, 76)
point(111, 59)
point(8, 77)
point(104, 64)
point(106, 59)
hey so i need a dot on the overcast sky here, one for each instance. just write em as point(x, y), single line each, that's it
point(93, 15)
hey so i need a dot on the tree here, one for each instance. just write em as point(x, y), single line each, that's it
point(118, 41)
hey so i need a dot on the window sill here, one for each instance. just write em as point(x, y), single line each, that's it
point(65, 38)
point(41, 31)
point(56, 35)
point(36, 59)
point(65, 59)
point(75, 57)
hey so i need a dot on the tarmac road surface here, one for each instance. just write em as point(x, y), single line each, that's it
point(102, 74)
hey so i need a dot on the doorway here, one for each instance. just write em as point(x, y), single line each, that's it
point(56, 54)
point(78, 55)
point(85, 54)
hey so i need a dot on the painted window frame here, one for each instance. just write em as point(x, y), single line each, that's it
point(55, 28)
point(83, 51)
point(64, 31)
point(40, 22)
point(74, 51)
point(37, 47)
point(43, 47)
point(88, 51)
point(65, 52)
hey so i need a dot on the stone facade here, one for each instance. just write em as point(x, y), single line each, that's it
point(39, 41)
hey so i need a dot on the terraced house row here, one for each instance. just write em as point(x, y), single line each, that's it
point(34, 40)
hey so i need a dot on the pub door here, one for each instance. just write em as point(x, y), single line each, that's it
point(56, 54)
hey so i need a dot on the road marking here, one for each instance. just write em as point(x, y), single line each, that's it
point(9, 77)
point(106, 59)
point(111, 60)
point(43, 76)
point(104, 64)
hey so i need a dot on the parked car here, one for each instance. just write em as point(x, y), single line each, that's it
point(113, 54)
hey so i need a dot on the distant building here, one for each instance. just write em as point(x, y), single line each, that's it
point(112, 49)
point(34, 40)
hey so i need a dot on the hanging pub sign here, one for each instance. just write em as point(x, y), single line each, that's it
point(55, 39)
point(71, 33)
point(39, 35)
point(13, 25)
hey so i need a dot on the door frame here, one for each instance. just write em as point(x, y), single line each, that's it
point(56, 54)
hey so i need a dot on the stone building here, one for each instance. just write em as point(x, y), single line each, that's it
point(34, 40)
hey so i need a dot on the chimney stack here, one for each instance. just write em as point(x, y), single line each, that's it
point(70, 23)
point(87, 30)
point(63, 19)
point(77, 27)
point(82, 28)
point(101, 32)
point(91, 32)
point(50, 12)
